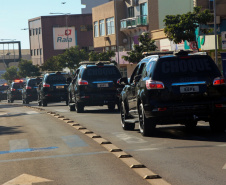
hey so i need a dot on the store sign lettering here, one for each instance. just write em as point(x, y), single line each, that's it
point(61, 39)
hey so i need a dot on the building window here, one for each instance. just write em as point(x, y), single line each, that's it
point(36, 31)
point(39, 30)
point(143, 9)
point(123, 71)
point(102, 28)
point(96, 34)
point(33, 31)
point(34, 52)
point(211, 5)
point(31, 52)
point(110, 26)
point(40, 51)
point(37, 51)
point(131, 12)
point(30, 32)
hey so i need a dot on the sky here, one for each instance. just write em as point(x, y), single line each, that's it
point(14, 15)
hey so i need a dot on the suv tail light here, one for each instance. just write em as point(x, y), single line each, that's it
point(219, 81)
point(12, 89)
point(46, 85)
point(152, 84)
point(28, 87)
point(82, 82)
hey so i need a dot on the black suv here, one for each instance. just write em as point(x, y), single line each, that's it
point(94, 84)
point(29, 92)
point(53, 88)
point(3, 92)
point(15, 91)
point(178, 88)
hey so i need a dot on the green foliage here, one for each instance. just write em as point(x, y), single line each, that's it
point(179, 28)
point(70, 58)
point(26, 68)
point(104, 56)
point(146, 44)
point(10, 74)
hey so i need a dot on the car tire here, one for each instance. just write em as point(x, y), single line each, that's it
point(217, 124)
point(72, 107)
point(79, 107)
point(111, 107)
point(26, 101)
point(125, 126)
point(146, 125)
point(44, 103)
point(190, 125)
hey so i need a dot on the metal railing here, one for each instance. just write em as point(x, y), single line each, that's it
point(133, 22)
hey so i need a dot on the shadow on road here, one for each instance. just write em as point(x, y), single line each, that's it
point(9, 130)
point(200, 133)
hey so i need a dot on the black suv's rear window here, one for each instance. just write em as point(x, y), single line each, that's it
point(3, 87)
point(33, 82)
point(18, 85)
point(101, 73)
point(197, 66)
point(55, 79)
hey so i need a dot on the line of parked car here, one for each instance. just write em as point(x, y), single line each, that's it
point(177, 88)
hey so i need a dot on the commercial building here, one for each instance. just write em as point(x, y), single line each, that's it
point(52, 35)
point(89, 4)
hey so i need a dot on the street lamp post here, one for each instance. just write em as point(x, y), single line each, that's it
point(66, 14)
point(215, 31)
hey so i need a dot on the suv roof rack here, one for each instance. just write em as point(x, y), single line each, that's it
point(94, 62)
point(157, 53)
point(182, 52)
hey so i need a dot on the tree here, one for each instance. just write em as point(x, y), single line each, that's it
point(10, 74)
point(182, 27)
point(104, 56)
point(72, 57)
point(146, 45)
point(51, 65)
point(26, 68)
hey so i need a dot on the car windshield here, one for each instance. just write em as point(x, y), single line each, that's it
point(33, 82)
point(56, 79)
point(185, 66)
point(18, 85)
point(3, 87)
point(101, 73)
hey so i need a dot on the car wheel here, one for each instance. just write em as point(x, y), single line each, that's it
point(44, 103)
point(72, 107)
point(26, 101)
point(146, 125)
point(217, 124)
point(79, 107)
point(190, 125)
point(125, 126)
point(111, 107)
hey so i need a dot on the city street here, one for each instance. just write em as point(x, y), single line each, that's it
point(47, 150)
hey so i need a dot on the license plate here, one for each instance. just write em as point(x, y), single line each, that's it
point(103, 85)
point(189, 89)
point(60, 87)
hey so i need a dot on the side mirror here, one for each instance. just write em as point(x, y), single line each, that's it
point(69, 79)
point(137, 78)
point(123, 81)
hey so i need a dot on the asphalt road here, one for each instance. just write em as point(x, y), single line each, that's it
point(39, 148)
point(179, 157)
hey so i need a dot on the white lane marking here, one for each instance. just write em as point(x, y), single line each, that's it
point(129, 138)
point(224, 167)
point(32, 112)
point(26, 179)
point(61, 110)
point(223, 145)
point(2, 114)
point(18, 144)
